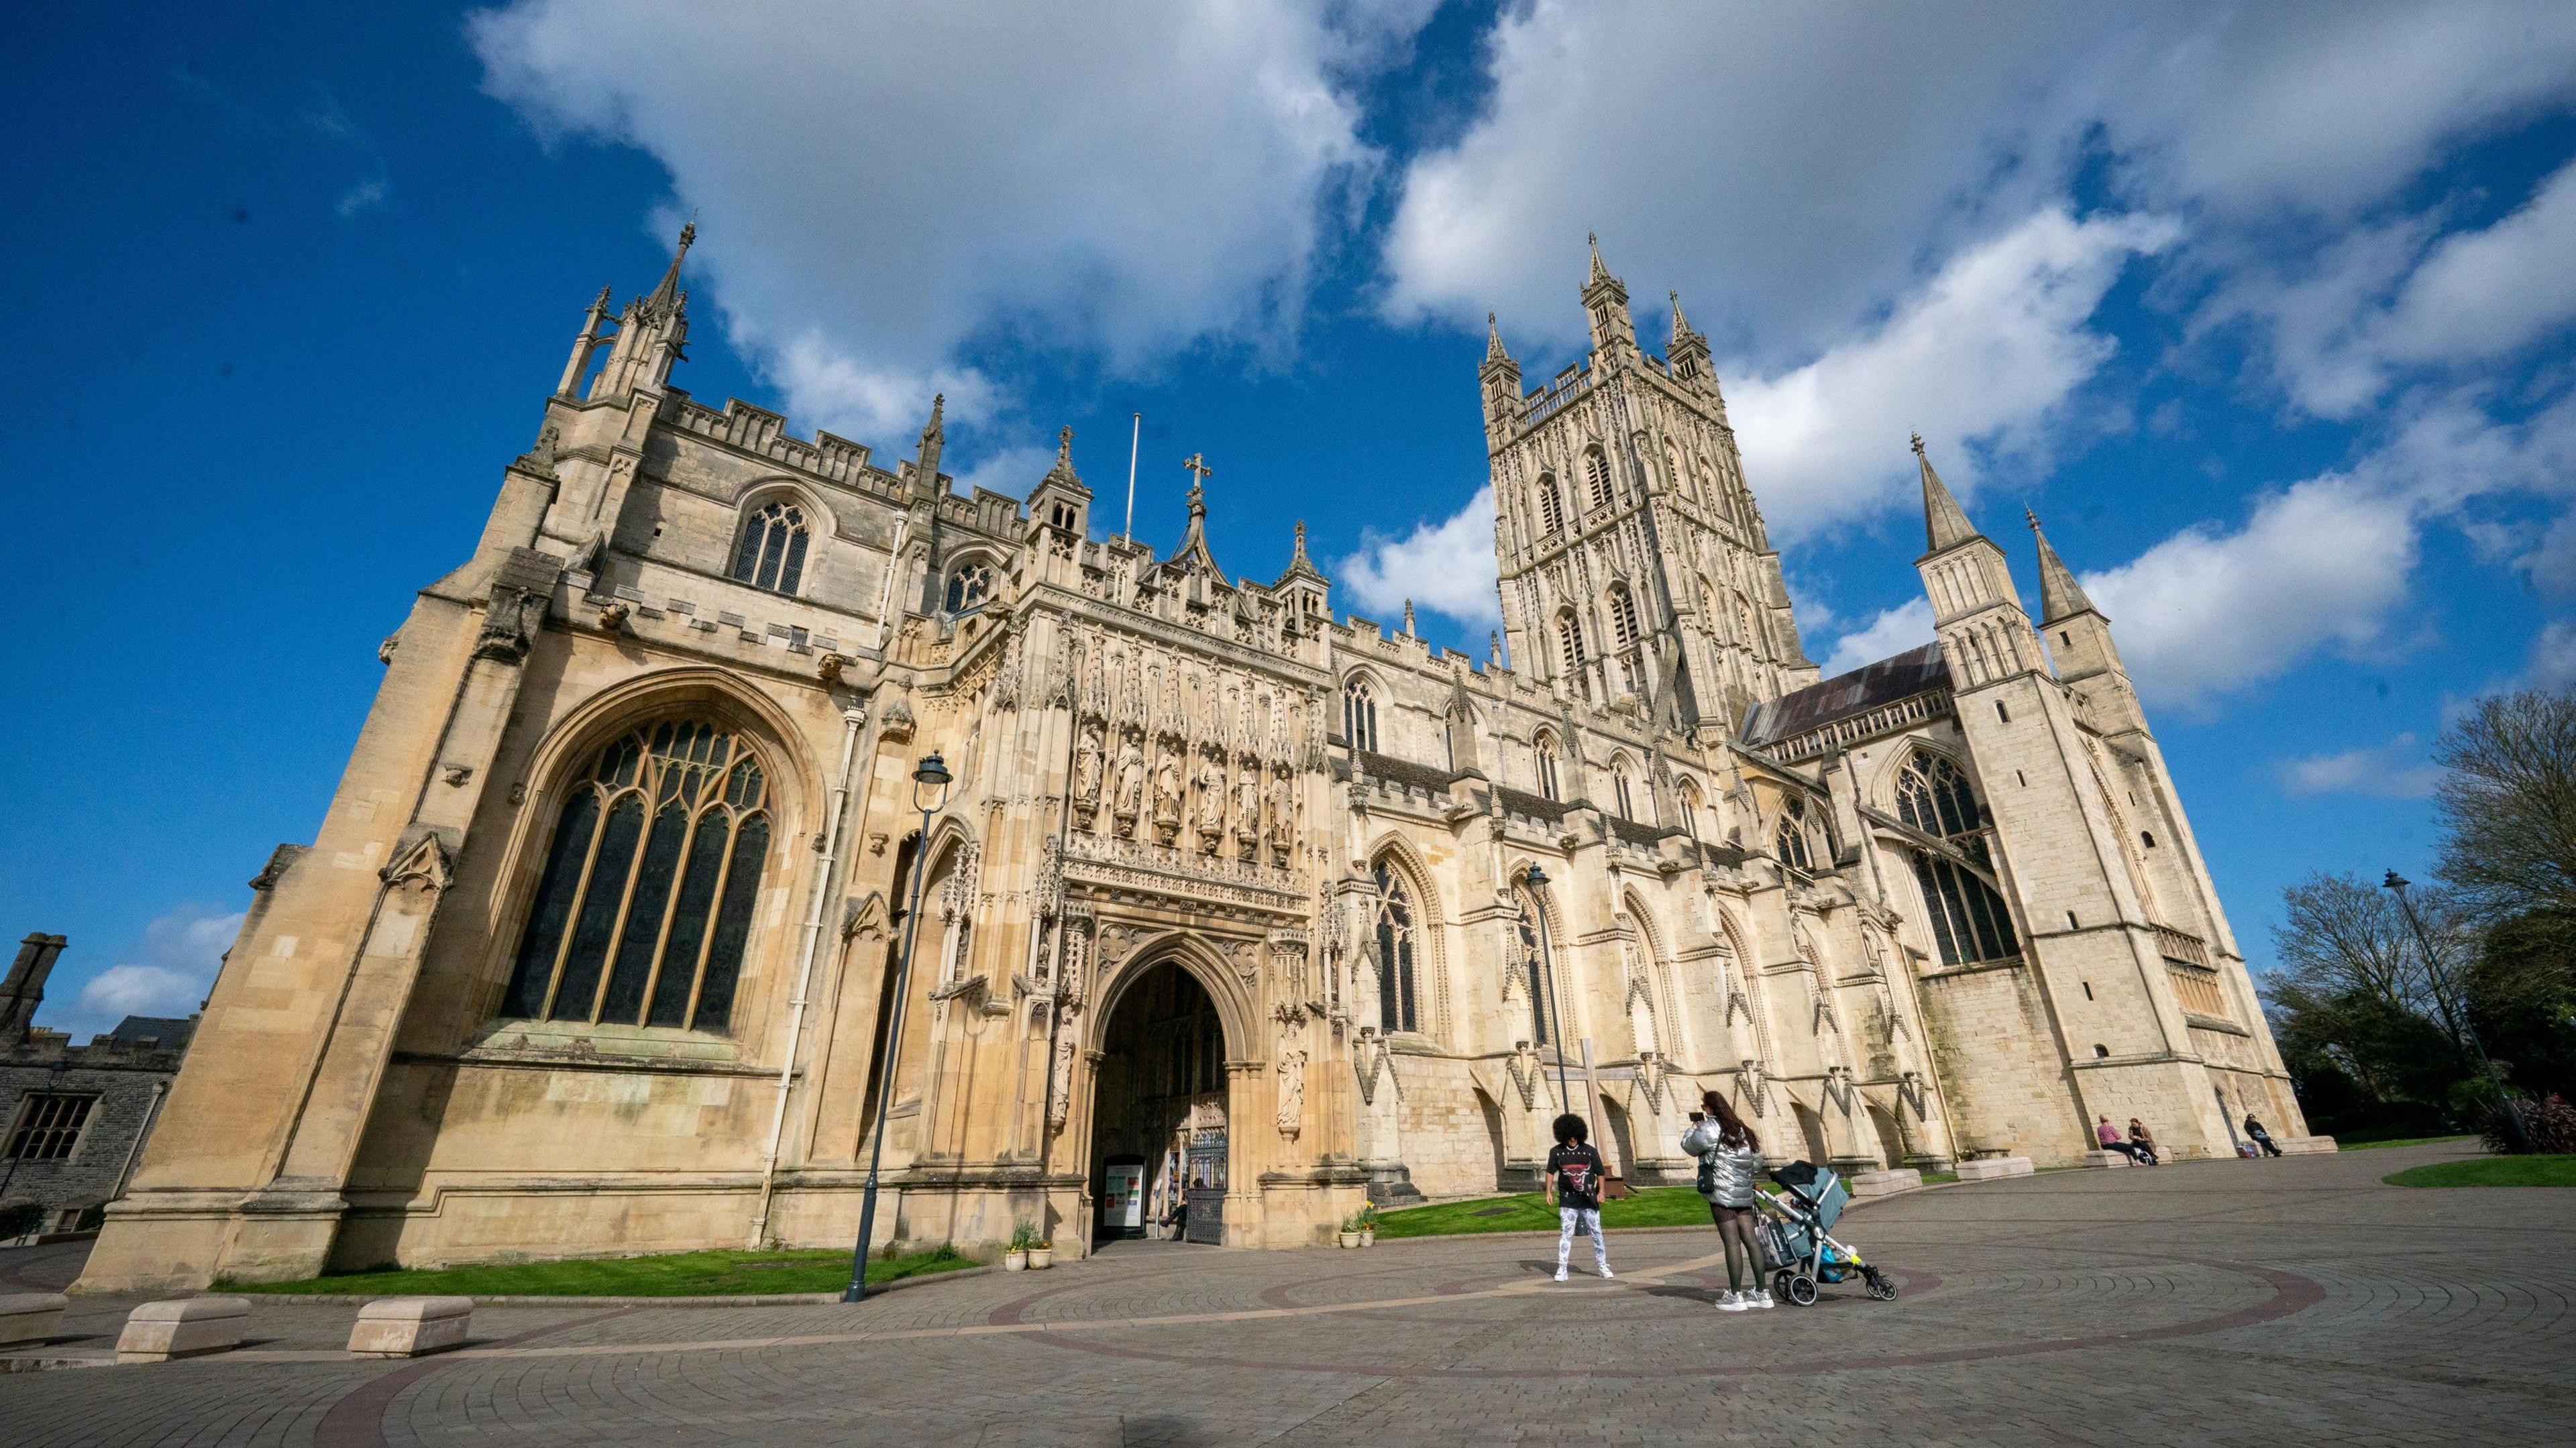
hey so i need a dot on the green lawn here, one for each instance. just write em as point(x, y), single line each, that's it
point(2342, 1145)
point(2490, 1171)
point(678, 1274)
point(1650, 1207)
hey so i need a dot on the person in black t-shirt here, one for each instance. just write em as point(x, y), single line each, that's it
point(1574, 1189)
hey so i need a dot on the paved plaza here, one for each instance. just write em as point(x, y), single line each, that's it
point(2276, 1302)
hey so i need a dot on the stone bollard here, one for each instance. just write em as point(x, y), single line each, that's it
point(1885, 1183)
point(30, 1317)
point(393, 1327)
point(1991, 1167)
point(182, 1327)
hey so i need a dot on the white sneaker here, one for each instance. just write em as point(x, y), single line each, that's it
point(1560, 1274)
point(1732, 1302)
point(1762, 1299)
point(1605, 1274)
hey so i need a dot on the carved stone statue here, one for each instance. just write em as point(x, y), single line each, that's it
point(1211, 803)
point(1167, 793)
point(1131, 785)
point(1087, 764)
point(1247, 804)
point(1292, 1091)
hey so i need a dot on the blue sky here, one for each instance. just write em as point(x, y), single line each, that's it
point(2266, 310)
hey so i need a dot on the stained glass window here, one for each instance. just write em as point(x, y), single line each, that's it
point(645, 904)
point(771, 552)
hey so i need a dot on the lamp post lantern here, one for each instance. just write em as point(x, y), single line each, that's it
point(930, 781)
point(2396, 884)
point(1537, 881)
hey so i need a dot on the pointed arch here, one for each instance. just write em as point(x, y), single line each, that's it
point(1596, 476)
point(1393, 858)
point(1547, 757)
point(1551, 506)
point(1623, 786)
point(1542, 956)
point(1198, 958)
point(1360, 693)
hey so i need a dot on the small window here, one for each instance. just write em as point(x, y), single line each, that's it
point(970, 587)
point(1545, 748)
point(1359, 714)
point(1569, 641)
point(2002, 715)
point(2088, 990)
point(1619, 784)
point(771, 553)
point(1596, 473)
point(2070, 921)
point(2063, 639)
point(1623, 618)
point(2101, 1052)
point(2149, 836)
point(2021, 779)
point(1551, 507)
point(49, 1126)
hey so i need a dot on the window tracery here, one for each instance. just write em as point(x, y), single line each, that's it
point(645, 903)
point(1359, 713)
point(770, 553)
point(970, 586)
point(1396, 997)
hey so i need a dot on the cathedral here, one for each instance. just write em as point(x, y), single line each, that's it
point(748, 813)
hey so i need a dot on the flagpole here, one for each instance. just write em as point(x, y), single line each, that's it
point(1135, 435)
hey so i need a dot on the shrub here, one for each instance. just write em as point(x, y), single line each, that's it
point(17, 1219)
point(2550, 1121)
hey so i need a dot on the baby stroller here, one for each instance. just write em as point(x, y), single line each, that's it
point(1801, 1253)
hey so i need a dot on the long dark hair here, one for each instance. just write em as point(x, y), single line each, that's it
point(1731, 1129)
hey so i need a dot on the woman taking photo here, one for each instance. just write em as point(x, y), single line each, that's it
point(1728, 1158)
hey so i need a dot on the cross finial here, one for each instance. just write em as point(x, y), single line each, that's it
point(1918, 444)
point(2033, 517)
point(1200, 472)
point(1064, 445)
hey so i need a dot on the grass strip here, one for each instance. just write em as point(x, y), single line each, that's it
point(675, 1274)
point(2490, 1171)
point(2342, 1145)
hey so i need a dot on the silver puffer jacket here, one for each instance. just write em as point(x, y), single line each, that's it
point(1736, 1165)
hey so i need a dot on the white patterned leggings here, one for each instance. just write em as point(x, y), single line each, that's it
point(1588, 1219)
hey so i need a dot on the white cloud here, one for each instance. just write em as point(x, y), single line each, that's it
point(1446, 566)
point(1895, 630)
point(2553, 656)
point(2387, 771)
point(1011, 470)
point(1987, 349)
point(877, 188)
point(174, 968)
point(2482, 293)
point(2323, 563)
point(365, 196)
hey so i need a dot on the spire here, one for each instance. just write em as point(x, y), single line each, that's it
point(1682, 333)
point(1494, 342)
point(934, 437)
point(1944, 525)
point(1600, 273)
point(2060, 596)
point(1299, 565)
point(668, 297)
point(1408, 618)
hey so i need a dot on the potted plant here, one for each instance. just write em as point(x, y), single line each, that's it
point(1041, 1255)
point(1350, 1233)
point(1017, 1258)
point(1368, 1225)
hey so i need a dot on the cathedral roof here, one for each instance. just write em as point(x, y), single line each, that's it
point(1846, 695)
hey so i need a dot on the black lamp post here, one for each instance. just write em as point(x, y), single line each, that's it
point(930, 781)
point(1537, 879)
point(2452, 1006)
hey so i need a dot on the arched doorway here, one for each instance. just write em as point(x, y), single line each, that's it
point(1159, 1136)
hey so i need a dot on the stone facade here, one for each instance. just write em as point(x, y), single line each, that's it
point(1877, 911)
point(74, 1117)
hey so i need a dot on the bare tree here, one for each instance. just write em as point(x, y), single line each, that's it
point(2350, 940)
point(2509, 804)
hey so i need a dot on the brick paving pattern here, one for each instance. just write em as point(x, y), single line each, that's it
point(2261, 1303)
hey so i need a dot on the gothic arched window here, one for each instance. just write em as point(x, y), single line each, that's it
point(1619, 786)
point(1359, 713)
point(970, 586)
point(646, 900)
point(1531, 966)
point(1396, 1007)
point(1970, 921)
point(771, 552)
point(1933, 796)
point(1551, 507)
point(1596, 476)
point(1569, 644)
point(1789, 841)
point(1544, 746)
point(1623, 618)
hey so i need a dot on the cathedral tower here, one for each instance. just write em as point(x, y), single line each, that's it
point(1633, 561)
